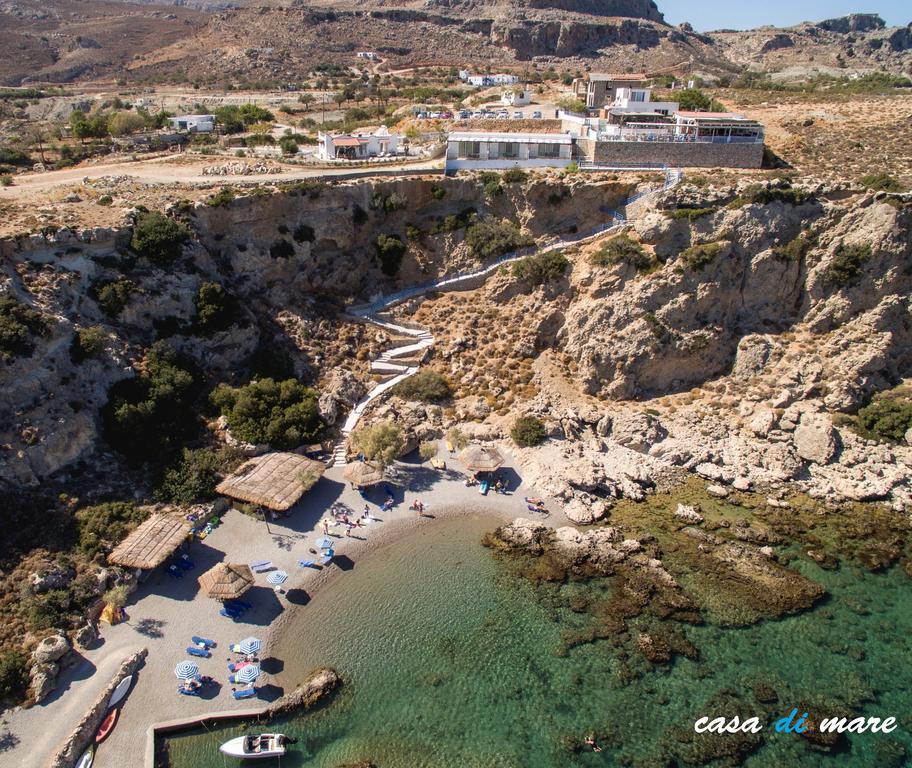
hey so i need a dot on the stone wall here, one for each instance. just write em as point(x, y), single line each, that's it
point(683, 155)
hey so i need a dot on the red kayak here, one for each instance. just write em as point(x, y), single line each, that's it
point(107, 725)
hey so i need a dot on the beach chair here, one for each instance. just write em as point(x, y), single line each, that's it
point(233, 615)
point(326, 560)
point(244, 693)
point(232, 680)
point(196, 640)
point(306, 563)
point(203, 653)
point(259, 566)
point(175, 572)
point(186, 563)
point(235, 648)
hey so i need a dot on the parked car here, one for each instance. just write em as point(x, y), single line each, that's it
point(536, 115)
point(446, 115)
point(503, 115)
point(518, 115)
point(464, 114)
point(488, 115)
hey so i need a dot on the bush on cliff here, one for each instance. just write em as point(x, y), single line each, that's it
point(193, 478)
point(101, 527)
point(19, 326)
point(215, 309)
point(390, 250)
point(158, 238)
point(887, 417)
point(114, 296)
point(425, 386)
point(528, 432)
point(283, 414)
point(14, 677)
point(489, 238)
point(541, 268)
point(624, 250)
point(847, 264)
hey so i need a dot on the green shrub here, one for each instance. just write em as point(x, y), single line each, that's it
point(101, 527)
point(6, 180)
point(698, 256)
point(222, 198)
point(515, 175)
point(886, 418)
point(193, 478)
point(148, 417)
point(214, 309)
point(761, 195)
point(572, 167)
point(158, 238)
point(426, 386)
point(796, 249)
point(541, 268)
point(489, 238)
point(105, 200)
point(389, 203)
point(427, 450)
point(283, 414)
point(438, 193)
point(490, 180)
point(281, 249)
point(412, 233)
point(623, 249)
point(381, 442)
point(688, 213)
point(304, 234)
point(847, 264)
point(14, 677)
point(87, 342)
point(390, 250)
point(46, 610)
point(113, 297)
point(881, 182)
point(528, 431)
point(359, 215)
point(19, 325)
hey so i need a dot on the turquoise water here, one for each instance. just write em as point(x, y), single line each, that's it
point(450, 659)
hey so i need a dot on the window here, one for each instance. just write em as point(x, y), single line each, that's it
point(638, 95)
point(471, 149)
point(549, 150)
point(509, 149)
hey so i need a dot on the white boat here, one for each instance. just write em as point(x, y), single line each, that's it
point(87, 758)
point(256, 745)
point(120, 691)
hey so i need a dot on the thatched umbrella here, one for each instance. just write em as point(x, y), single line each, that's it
point(227, 581)
point(481, 458)
point(360, 473)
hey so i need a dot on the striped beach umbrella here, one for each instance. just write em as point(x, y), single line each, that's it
point(277, 577)
point(324, 543)
point(250, 645)
point(247, 674)
point(186, 670)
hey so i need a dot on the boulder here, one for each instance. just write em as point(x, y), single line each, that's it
point(328, 406)
point(86, 635)
point(55, 577)
point(51, 649)
point(688, 515)
point(719, 491)
point(585, 510)
point(639, 432)
point(43, 680)
point(815, 438)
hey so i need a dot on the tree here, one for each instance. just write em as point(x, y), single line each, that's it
point(158, 238)
point(306, 99)
point(382, 442)
point(125, 123)
point(214, 308)
point(571, 104)
point(390, 250)
point(695, 99)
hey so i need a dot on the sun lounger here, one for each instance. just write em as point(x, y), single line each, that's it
point(233, 615)
point(196, 640)
point(235, 648)
point(203, 653)
point(186, 563)
point(244, 693)
point(326, 560)
point(176, 572)
point(259, 566)
point(306, 563)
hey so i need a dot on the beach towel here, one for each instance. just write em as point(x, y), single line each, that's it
point(203, 653)
point(246, 693)
point(306, 563)
point(196, 640)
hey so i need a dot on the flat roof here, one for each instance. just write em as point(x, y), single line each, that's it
point(617, 76)
point(539, 138)
point(711, 115)
point(346, 141)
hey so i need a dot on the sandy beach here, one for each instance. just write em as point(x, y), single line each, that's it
point(165, 612)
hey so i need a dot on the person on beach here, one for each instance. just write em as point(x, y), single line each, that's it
point(325, 526)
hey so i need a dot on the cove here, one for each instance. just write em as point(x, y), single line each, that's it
point(450, 660)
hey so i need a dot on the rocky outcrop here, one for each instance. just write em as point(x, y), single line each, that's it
point(46, 665)
point(319, 684)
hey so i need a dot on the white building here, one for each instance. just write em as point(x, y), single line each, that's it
point(516, 97)
point(357, 146)
point(482, 149)
point(487, 81)
point(193, 123)
point(369, 55)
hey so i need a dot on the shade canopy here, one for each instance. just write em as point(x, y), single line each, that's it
point(186, 670)
point(363, 473)
point(274, 480)
point(227, 581)
point(481, 458)
point(277, 577)
point(250, 645)
point(247, 674)
point(153, 542)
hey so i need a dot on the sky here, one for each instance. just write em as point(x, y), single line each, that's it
point(781, 13)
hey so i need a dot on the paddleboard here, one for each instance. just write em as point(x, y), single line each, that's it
point(107, 725)
point(121, 690)
point(87, 758)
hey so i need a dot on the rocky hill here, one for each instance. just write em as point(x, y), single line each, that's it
point(136, 41)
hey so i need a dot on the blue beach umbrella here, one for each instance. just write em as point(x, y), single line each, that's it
point(325, 543)
point(277, 577)
point(247, 674)
point(250, 645)
point(186, 670)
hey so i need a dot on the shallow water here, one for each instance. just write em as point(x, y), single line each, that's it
point(451, 660)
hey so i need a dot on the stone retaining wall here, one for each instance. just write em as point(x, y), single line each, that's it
point(678, 155)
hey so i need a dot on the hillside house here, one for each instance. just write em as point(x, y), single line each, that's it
point(516, 97)
point(487, 81)
point(598, 89)
point(193, 123)
point(358, 146)
point(498, 150)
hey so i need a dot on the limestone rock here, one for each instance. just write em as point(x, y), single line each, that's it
point(719, 491)
point(639, 432)
point(585, 510)
point(815, 438)
point(688, 515)
point(54, 577)
point(43, 680)
point(51, 649)
point(86, 635)
point(741, 484)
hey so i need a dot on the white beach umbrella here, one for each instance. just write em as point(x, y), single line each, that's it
point(186, 670)
point(250, 645)
point(247, 674)
point(277, 577)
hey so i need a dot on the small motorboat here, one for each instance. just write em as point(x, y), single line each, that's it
point(107, 725)
point(120, 691)
point(88, 757)
point(254, 746)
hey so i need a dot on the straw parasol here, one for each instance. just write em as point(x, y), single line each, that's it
point(363, 473)
point(153, 542)
point(480, 458)
point(275, 480)
point(227, 581)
